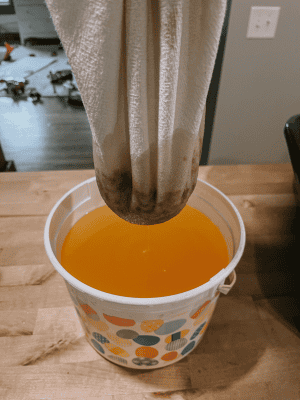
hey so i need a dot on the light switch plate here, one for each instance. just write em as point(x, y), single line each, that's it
point(263, 22)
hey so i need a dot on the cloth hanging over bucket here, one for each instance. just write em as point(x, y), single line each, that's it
point(143, 69)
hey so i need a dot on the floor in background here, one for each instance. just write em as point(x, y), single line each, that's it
point(50, 135)
point(39, 80)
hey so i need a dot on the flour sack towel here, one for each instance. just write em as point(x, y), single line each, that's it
point(143, 69)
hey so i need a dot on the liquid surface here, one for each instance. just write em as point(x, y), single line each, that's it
point(112, 255)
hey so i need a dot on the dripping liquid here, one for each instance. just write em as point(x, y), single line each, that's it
point(114, 256)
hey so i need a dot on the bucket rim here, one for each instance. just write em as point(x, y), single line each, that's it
point(144, 301)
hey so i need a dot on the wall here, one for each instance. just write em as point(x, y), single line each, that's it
point(259, 88)
point(8, 19)
point(9, 23)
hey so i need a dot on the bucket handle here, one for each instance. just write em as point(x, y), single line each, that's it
point(226, 288)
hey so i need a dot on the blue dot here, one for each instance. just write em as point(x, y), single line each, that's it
point(197, 331)
point(127, 334)
point(120, 359)
point(188, 348)
point(170, 327)
point(97, 346)
point(100, 338)
point(146, 340)
point(144, 361)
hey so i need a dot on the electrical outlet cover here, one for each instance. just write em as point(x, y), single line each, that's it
point(263, 22)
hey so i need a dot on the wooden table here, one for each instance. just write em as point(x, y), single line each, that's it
point(250, 350)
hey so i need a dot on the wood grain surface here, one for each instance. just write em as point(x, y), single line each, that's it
point(49, 135)
point(251, 349)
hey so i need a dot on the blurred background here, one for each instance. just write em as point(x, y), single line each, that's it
point(254, 90)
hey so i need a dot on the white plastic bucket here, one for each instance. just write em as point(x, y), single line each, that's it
point(145, 333)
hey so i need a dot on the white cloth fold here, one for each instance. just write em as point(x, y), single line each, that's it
point(143, 69)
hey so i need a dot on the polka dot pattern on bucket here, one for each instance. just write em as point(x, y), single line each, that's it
point(148, 352)
point(144, 361)
point(170, 356)
point(195, 313)
point(170, 327)
point(100, 338)
point(119, 321)
point(177, 344)
point(87, 309)
point(188, 348)
point(127, 334)
point(176, 336)
point(197, 331)
point(119, 341)
point(119, 359)
point(144, 342)
point(100, 325)
point(98, 346)
point(116, 350)
point(151, 325)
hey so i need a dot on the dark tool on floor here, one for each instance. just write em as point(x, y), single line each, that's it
point(60, 77)
point(35, 96)
point(74, 98)
point(15, 87)
point(65, 77)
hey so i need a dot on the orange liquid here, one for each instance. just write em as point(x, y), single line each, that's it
point(112, 255)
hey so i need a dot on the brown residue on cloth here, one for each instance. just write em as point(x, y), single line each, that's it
point(147, 211)
point(118, 192)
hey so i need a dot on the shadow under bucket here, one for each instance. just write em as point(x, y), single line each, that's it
point(145, 333)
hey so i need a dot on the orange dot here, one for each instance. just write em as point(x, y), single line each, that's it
point(200, 309)
point(170, 356)
point(119, 321)
point(100, 325)
point(149, 352)
point(151, 325)
point(87, 309)
point(205, 315)
point(116, 350)
point(168, 339)
point(120, 341)
point(204, 329)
